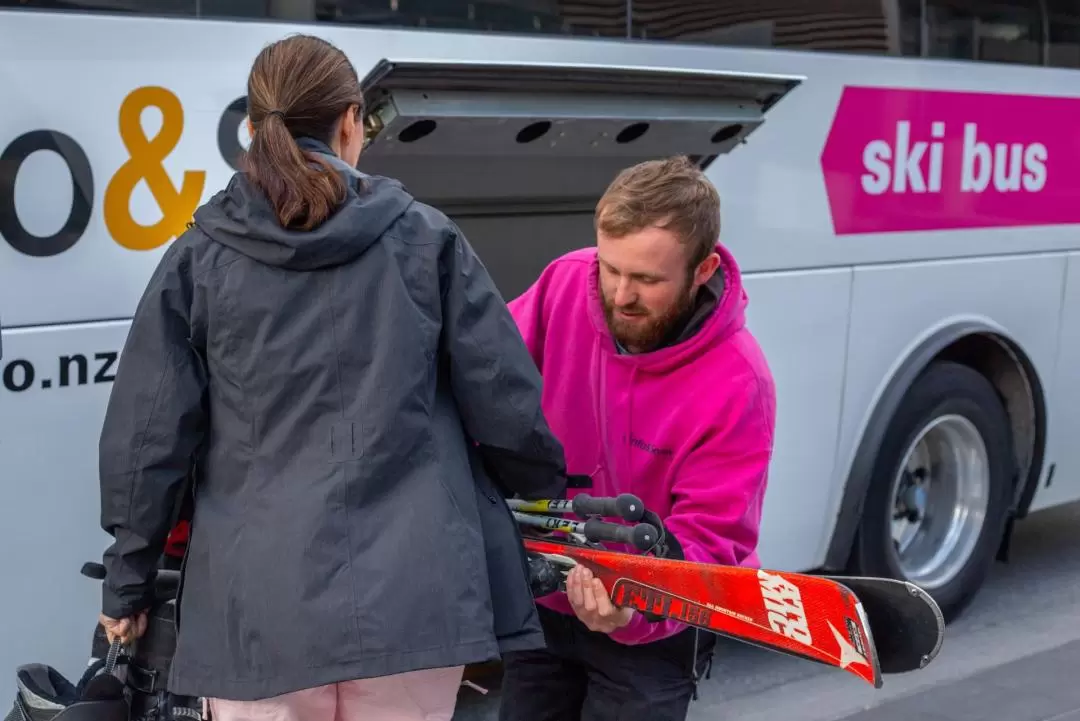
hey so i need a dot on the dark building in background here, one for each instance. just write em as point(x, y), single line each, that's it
point(1032, 32)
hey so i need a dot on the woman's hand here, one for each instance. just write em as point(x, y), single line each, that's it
point(126, 629)
point(591, 602)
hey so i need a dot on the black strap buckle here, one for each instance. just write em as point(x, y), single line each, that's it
point(143, 680)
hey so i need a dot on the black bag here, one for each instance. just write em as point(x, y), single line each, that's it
point(119, 684)
point(45, 695)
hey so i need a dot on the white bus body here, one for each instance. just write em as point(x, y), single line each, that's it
point(874, 237)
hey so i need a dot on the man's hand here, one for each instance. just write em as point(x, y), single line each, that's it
point(591, 602)
point(125, 629)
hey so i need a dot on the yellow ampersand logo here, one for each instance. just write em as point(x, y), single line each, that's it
point(145, 163)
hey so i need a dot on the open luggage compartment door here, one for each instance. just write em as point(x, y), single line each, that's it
point(498, 136)
point(518, 154)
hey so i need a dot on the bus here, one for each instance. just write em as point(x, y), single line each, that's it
point(894, 177)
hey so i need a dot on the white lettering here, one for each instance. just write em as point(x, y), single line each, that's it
point(876, 156)
point(904, 169)
point(899, 166)
point(975, 152)
point(1007, 160)
point(937, 131)
point(1011, 166)
point(907, 168)
point(1035, 167)
point(783, 602)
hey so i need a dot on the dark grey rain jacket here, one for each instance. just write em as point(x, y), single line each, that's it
point(360, 401)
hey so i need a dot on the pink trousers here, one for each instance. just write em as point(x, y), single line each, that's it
point(428, 695)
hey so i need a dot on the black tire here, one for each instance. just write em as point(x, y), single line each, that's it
point(943, 388)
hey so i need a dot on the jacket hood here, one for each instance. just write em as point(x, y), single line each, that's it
point(712, 322)
point(241, 218)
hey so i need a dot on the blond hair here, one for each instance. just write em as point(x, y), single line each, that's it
point(673, 194)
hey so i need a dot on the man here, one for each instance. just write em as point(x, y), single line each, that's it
point(656, 388)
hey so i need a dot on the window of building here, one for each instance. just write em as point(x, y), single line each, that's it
point(142, 7)
point(595, 17)
point(1063, 49)
point(283, 9)
point(1004, 32)
point(854, 26)
point(910, 27)
point(601, 18)
point(1032, 32)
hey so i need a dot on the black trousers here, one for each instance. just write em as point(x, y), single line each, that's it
point(585, 676)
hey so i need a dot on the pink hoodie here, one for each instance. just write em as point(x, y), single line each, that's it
point(687, 428)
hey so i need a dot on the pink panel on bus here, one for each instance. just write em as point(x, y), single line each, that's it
point(902, 160)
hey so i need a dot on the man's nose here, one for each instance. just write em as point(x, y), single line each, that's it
point(624, 293)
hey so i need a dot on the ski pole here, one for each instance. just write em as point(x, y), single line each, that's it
point(642, 536)
point(626, 506)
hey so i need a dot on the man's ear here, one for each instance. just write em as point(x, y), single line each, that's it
point(706, 268)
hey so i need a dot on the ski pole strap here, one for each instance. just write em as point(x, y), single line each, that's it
point(693, 666)
point(667, 545)
point(578, 481)
point(694, 663)
point(544, 578)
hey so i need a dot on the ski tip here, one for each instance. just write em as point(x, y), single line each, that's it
point(939, 619)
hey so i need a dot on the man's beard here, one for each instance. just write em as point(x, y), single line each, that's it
point(649, 334)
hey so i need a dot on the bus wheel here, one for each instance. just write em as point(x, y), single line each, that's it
point(939, 496)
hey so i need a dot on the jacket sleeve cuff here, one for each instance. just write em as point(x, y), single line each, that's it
point(116, 606)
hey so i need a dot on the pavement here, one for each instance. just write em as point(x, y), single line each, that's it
point(1014, 655)
point(1039, 687)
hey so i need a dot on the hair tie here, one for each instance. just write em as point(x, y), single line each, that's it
point(279, 113)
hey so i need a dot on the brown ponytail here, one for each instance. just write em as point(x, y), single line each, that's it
point(298, 87)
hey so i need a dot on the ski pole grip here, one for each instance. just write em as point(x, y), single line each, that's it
point(643, 536)
point(626, 506)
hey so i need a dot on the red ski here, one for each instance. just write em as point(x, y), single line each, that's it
point(810, 617)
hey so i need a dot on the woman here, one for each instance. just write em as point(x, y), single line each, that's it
point(343, 368)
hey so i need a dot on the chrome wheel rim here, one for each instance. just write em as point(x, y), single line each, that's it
point(939, 498)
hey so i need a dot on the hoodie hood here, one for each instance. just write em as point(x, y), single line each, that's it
point(241, 218)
